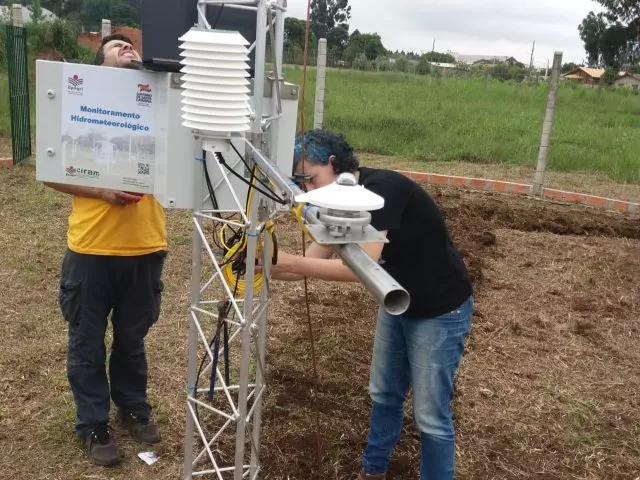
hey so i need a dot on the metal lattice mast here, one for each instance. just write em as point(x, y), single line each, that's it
point(234, 415)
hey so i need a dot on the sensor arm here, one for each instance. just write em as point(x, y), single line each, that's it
point(293, 267)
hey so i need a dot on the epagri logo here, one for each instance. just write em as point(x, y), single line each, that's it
point(144, 96)
point(72, 171)
point(74, 85)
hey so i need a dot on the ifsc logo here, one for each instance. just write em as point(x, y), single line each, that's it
point(144, 96)
point(74, 85)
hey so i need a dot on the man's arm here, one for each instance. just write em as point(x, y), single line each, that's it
point(115, 197)
point(314, 250)
point(293, 267)
point(89, 192)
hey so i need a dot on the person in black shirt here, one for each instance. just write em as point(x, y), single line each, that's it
point(421, 348)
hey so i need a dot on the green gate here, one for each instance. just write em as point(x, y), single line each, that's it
point(17, 66)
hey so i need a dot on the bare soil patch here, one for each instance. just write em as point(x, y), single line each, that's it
point(549, 387)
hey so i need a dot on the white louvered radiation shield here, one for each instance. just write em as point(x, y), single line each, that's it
point(215, 96)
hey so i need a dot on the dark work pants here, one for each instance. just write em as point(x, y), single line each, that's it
point(91, 288)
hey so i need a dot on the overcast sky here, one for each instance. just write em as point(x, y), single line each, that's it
point(483, 27)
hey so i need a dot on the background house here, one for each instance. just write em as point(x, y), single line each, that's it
point(585, 75)
point(628, 80)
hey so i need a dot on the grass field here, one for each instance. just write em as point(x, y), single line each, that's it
point(470, 120)
point(480, 121)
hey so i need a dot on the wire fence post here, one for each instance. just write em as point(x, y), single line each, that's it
point(106, 28)
point(16, 15)
point(545, 141)
point(321, 72)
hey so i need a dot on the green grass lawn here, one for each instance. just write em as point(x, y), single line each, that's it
point(5, 119)
point(480, 121)
point(466, 119)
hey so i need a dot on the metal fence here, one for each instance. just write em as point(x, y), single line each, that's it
point(17, 68)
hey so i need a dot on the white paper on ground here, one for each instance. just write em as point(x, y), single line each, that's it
point(148, 457)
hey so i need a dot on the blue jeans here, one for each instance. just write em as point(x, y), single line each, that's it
point(424, 353)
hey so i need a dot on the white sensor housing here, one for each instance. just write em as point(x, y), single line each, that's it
point(215, 96)
point(343, 194)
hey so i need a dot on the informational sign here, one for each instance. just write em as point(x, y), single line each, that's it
point(106, 124)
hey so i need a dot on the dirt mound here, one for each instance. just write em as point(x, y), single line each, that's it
point(50, 54)
point(473, 218)
point(93, 40)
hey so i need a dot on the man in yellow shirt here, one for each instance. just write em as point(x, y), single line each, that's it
point(116, 247)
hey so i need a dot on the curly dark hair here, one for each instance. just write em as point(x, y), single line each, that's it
point(321, 144)
point(99, 59)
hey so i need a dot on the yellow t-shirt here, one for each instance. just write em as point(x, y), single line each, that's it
point(99, 228)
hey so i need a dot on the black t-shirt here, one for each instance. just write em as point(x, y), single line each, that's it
point(420, 254)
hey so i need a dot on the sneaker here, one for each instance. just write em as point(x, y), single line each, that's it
point(101, 448)
point(369, 476)
point(141, 429)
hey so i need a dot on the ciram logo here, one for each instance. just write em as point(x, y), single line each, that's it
point(143, 95)
point(72, 171)
point(74, 85)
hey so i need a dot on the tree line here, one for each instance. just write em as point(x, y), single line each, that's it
point(612, 38)
point(88, 14)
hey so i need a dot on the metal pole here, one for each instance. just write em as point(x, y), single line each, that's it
point(196, 276)
point(260, 342)
point(278, 77)
point(259, 77)
point(545, 141)
point(321, 73)
point(243, 381)
point(279, 33)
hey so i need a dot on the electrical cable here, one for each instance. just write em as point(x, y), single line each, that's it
point(217, 19)
point(271, 196)
point(298, 212)
point(233, 270)
point(258, 178)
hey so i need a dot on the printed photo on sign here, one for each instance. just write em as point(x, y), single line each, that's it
point(108, 133)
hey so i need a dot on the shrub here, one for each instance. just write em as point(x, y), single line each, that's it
point(57, 34)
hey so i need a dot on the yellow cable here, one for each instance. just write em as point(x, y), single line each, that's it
point(237, 249)
point(298, 213)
